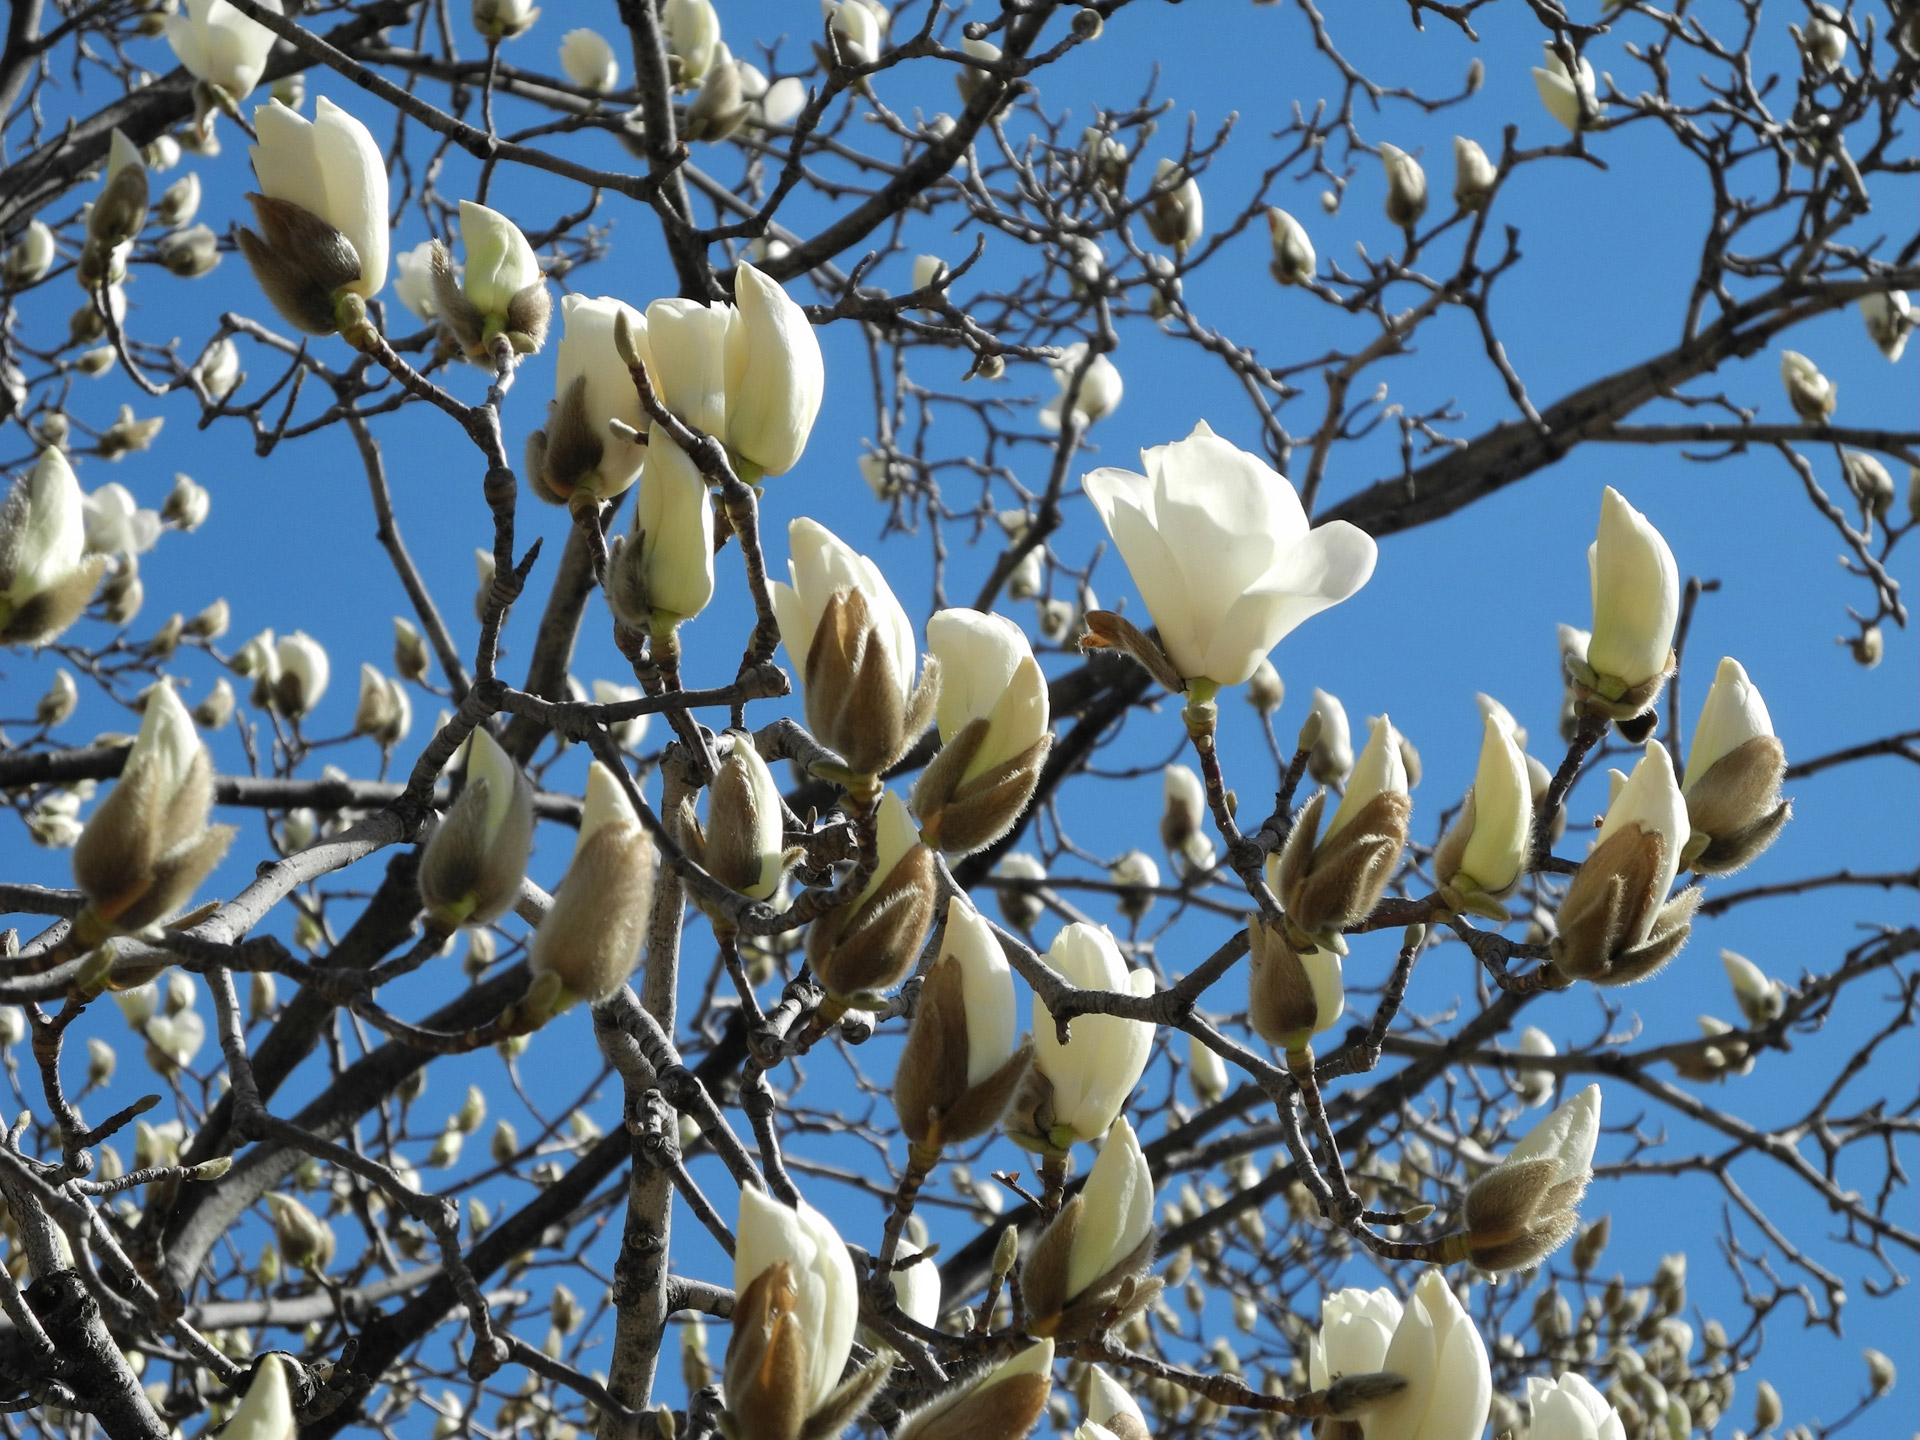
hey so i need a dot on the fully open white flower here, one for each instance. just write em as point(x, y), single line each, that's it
point(1095, 1071)
point(218, 44)
point(827, 1294)
point(1444, 1362)
point(1220, 548)
point(332, 167)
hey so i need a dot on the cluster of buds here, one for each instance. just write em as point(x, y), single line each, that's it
point(1086, 1264)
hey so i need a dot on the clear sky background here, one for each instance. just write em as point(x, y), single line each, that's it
point(1463, 606)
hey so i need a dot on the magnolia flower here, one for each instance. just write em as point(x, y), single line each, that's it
point(692, 29)
point(721, 107)
point(1823, 43)
point(499, 291)
point(1869, 481)
point(1330, 752)
point(29, 260)
point(662, 573)
point(1100, 388)
point(179, 202)
point(775, 375)
point(853, 645)
point(627, 734)
point(1734, 769)
point(1526, 1207)
point(1888, 315)
point(148, 845)
point(1222, 553)
point(303, 1237)
point(1020, 908)
point(1569, 1408)
point(774, 104)
point(1101, 1238)
point(1761, 998)
point(473, 867)
point(591, 450)
point(743, 844)
point(960, 1065)
point(856, 28)
point(588, 60)
point(916, 1288)
point(219, 370)
point(1112, 1408)
point(300, 674)
point(1617, 924)
point(992, 716)
point(383, 710)
point(1004, 1403)
point(1812, 395)
point(794, 1320)
point(411, 657)
point(869, 944)
point(1081, 1083)
point(1329, 882)
point(1534, 1087)
point(187, 505)
point(413, 281)
point(1569, 99)
point(58, 704)
point(322, 212)
point(116, 525)
point(1486, 850)
point(591, 937)
point(1182, 811)
point(1436, 1350)
point(219, 45)
point(1293, 993)
point(1293, 257)
point(504, 19)
point(1636, 604)
point(1206, 1071)
point(116, 216)
point(266, 1411)
point(1406, 186)
point(1356, 1327)
point(1175, 215)
point(1474, 175)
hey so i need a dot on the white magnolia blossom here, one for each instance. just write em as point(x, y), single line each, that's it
point(627, 734)
point(1380, 770)
point(1178, 216)
point(1473, 174)
point(987, 672)
point(1330, 760)
point(1108, 1400)
point(827, 1293)
point(1095, 1070)
point(1118, 1208)
point(1100, 388)
point(821, 565)
point(1495, 854)
point(219, 45)
point(1568, 1137)
point(986, 987)
point(1733, 714)
point(1812, 395)
point(673, 533)
point(116, 525)
point(692, 30)
point(588, 353)
point(33, 256)
point(413, 280)
point(1562, 93)
point(1760, 997)
point(1535, 1087)
point(916, 1288)
point(504, 19)
point(1823, 42)
point(1569, 1408)
point(588, 60)
point(1220, 548)
point(857, 28)
point(1356, 1327)
point(1636, 596)
point(1406, 186)
point(332, 167)
point(499, 261)
point(266, 1411)
point(1436, 1349)
point(1293, 257)
point(302, 673)
point(1888, 315)
point(220, 370)
point(1650, 799)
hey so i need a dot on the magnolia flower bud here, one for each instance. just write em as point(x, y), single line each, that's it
point(1433, 1349)
point(148, 845)
point(1182, 814)
point(1761, 999)
point(411, 657)
point(960, 1066)
point(1823, 45)
point(1220, 548)
point(627, 734)
point(588, 61)
point(582, 451)
point(1636, 604)
point(121, 210)
point(29, 260)
point(1526, 1207)
point(1206, 1071)
point(722, 106)
point(188, 253)
point(1734, 769)
point(1569, 1408)
point(744, 843)
point(1100, 1240)
point(383, 711)
point(13, 1026)
point(1100, 388)
point(870, 944)
point(1136, 871)
point(173, 1040)
point(1330, 750)
point(1020, 908)
point(413, 280)
point(499, 291)
point(853, 646)
point(1881, 1372)
point(300, 675)
point(1570, 98)
point(303, 1237)
point(1811, 394)
point(1265, 690)
point(504, 19)
point(1175, 215)
point(1293, 257)
point(1870, 483)
point(776, 376)
point(1292, 995)
point(692, 29)
point(1474, 175)
point(1333, 881)
point(992, 717)
point(128, 435)
point(46, 576)
point(591, 937)
point(1534, 1087)
point(1616, 923)
point(1406, 186)
point(322, 211)
point(1486, 850)
point(793, 1322)
point(1080, 1084)
point(1888, 315)
point(856, 27)
point(187, 505)
point(266, 1411)
point(262, 997)
point(58, 703)
point(179, 202)
point(662, 572)
point(484, 567)
point(1004, 1403)
point(213, 712)
point(473, 867)
point(1868, 647)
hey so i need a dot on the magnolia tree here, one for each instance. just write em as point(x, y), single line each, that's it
point(857, 1058)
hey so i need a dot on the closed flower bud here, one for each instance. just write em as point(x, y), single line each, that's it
point(1292, 995)
point(499, 291)
point(148, 845)
point(188, 253)
point(591, 937)
point(581, 452)
point(123, 593)
point(1569, 1408)
point(1406, 186)
point(1293, 257)
point(411, 657)
point(219, 45)
point(853, 645)
point(743, 845)
point(472, 871)
point(1636, 604)
point(1182, 813)
point(179, 202)
point(213, 712)
point(662, 572)
point(692, 30)
point(1812, 395)
point(1486, 850)
point(1445, 1389)
point(413, 280)
point(1006, 1403)
point(1175, 215)
point(1868, 647)
point(128, 435)
point(721, 107)
point(992, 716)
point(1100, 388)
point(13, 1026)
point(1888, 315)
point(1265, 690)
point(30, 259)
point(505, 1143)
point(1330, 750)
point(46, 574)
point(484, 567)
point(793, 1323)
point(1020, 908)
point(1881, 1372)
point(300, 675)
point(1734, 769)
point(1823, 44)
point(776, 376)
point(869, 944)
point(1534, 1087)
point(1761, 999)
point(187, 505)
point(262, 997)
point(1100, 1240)
point(58, 703)
point(1869, 481)
point(1571, 98)
point(1333, 882)
point(504, 19)
point(1616, 923)
point(588, 60)
point(116, 217)
point(383, 711)
point(303, 1237)
point(1526, 1207)
point(219, 369)
point(627, 734)
point(1139, 877)
point(960, 1066)
point(1078, 1086)
point(856, 28)
point(266, 1411)
point(1474, 175)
